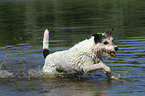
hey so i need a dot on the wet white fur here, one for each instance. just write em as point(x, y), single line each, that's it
point(46, 39)
point(82, 57)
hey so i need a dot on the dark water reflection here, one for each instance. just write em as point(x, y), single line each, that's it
point(22, 23)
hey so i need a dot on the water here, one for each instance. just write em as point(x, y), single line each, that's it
point(22, 23)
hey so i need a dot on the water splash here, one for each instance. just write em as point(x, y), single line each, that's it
point(120, 76)
point(5, 74)
point(35, 73)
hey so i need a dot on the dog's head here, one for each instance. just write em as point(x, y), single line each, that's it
point(104, 42)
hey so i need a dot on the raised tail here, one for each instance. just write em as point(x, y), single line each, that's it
point(46, 43)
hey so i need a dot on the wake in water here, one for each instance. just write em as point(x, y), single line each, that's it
point(21, 75)
point(38, 74)
point(6, 74)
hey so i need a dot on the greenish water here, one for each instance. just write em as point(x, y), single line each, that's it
point(22, 23)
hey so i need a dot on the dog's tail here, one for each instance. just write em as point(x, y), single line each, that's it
point(46, 43)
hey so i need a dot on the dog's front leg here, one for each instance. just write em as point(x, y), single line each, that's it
point(101, 65)
point(88, 69)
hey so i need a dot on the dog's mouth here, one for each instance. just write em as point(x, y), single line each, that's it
point(109, 53)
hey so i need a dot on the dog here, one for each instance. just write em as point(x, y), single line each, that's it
point(82, 58)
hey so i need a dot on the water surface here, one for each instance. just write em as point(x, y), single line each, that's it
point(22, 23)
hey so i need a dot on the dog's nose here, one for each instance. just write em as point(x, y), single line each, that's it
point(116, 48)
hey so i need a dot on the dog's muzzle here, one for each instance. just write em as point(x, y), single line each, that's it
point(110, 53)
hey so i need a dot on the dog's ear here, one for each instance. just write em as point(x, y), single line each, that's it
point(109, 33)
point(97, 37)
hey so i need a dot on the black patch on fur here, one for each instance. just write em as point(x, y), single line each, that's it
point(45, 52)
point(97, 38)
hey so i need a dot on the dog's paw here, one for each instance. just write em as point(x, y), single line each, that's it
point(114, 78)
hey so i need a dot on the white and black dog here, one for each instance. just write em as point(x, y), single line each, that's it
point(82, 58)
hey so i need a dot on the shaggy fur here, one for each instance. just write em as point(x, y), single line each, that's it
point(82, 58)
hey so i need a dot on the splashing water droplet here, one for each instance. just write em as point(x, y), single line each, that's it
point(5, 74)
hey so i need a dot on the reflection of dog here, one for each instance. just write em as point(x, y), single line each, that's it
point(83, 57)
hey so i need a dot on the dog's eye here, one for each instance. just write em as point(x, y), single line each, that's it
point(106, 43)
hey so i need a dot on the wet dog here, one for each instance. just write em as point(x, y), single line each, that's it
point(82, 58)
